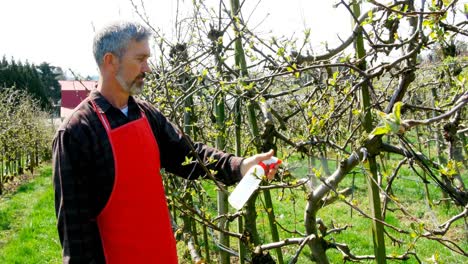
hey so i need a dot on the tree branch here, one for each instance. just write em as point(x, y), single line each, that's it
point(311, 58)
point(443, 228)
point(461, 102)
point(289, 241)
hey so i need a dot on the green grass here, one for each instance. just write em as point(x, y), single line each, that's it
point(27, 223)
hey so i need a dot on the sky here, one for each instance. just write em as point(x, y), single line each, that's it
point(60, 32)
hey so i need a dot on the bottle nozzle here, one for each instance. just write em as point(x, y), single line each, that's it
point(270, 163)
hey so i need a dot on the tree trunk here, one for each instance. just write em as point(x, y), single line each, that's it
point(455, 150)
point(372, 180)
point(318, 252)
point(240, 63)
point(237, 130)
point(223, 207)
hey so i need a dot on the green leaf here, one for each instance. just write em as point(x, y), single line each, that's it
point(382, 116)
point(335, 75)
point(187, 161)
point(280, 52)
point(428, 23)
point(249, 86)
point(450, 169)
point(381, 130)
point(397, 112)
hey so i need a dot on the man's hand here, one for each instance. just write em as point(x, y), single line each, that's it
point(254, 160)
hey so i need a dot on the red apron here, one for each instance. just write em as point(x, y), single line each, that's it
point(134, 225)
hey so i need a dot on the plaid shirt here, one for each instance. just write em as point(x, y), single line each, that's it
point(84, 169)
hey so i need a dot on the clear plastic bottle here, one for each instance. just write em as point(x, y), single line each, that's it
point(250, 182)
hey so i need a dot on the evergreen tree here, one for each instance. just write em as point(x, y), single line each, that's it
point(40, 82)
point(3, 71)
point(49, 78)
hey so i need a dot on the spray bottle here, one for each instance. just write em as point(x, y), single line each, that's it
point(250, 182)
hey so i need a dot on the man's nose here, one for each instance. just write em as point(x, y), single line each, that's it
point(145, 67)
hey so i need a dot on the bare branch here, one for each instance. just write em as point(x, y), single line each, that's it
point(409, 123)
point(445, 226)
point(344, 249)
point(289, 241)
point(311, 58)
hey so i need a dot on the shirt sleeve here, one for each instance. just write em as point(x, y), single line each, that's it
point(76, 226)
point(179, 154)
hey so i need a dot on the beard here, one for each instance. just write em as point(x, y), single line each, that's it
point(134, 87)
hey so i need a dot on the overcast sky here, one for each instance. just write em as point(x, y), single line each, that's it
point(60, 32)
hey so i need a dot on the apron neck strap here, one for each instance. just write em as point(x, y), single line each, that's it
point(102, 116)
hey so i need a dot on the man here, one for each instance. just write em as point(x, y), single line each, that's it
point(109, 197)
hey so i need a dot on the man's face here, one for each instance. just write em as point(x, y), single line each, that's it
point(133, 66)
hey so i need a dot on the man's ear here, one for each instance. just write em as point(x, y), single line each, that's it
point(110, 62)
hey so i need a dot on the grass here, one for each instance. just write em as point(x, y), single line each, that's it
point(27, 223)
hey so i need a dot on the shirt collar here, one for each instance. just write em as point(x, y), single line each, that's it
point(104, 105)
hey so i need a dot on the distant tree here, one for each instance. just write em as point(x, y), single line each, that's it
point(49, 78)
point(41, 82)
point(3, 71)
point(60, 74)
point(13, 73)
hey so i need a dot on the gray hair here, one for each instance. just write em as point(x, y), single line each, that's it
point(116, 37)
